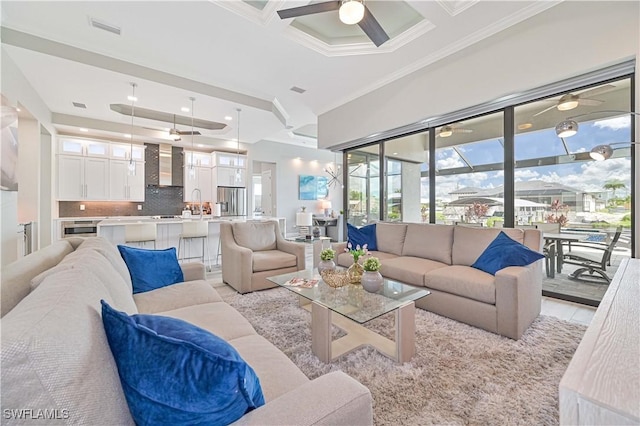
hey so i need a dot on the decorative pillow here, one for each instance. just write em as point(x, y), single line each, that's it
point(173, 372)
point(503, 252)
point(151, 269)
point(361, 236)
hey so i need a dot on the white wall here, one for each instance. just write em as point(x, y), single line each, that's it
point(288, 168)
point(565, 41)
point(25, 206)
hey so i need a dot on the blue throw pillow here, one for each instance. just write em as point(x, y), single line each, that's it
point(361, 236)
point(151, 269)
point(503, 252)
point(175, 373)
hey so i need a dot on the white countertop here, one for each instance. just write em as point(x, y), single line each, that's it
point(124, 220)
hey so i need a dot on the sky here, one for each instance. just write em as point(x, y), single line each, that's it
point(585, 176)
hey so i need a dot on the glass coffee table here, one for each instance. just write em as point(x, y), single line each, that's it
point(355, 307)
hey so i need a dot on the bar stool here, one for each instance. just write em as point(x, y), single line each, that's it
point(140, 233)
point(192, 230)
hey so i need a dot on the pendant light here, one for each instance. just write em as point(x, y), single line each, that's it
point(131, 167)
point(238, 171)
point(192, 170)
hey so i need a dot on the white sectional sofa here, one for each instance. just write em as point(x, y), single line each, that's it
point(439, 258)
point(55, 354)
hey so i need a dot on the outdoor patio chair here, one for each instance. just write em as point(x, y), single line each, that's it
point(593, 258)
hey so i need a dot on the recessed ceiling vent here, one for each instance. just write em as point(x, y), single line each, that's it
point(297, 89)
point(101, 25)
point(79, 105)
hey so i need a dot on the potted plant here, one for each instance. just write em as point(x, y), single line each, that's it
point(326, 260)
point(371, 278)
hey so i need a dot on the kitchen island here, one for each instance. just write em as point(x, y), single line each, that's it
point(169, 229)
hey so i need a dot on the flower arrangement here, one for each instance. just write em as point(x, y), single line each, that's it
point(372, 264)
point(357, 252)
point(327, 254)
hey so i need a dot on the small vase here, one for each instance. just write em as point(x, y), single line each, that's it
point(355, 273)
point(326, 265)
point(371, 281)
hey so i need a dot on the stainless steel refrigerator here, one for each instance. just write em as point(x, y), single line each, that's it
point(233, 201)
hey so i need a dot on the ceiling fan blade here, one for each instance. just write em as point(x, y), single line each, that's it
point(310, 9)
point(372, 28)
point(590, 102)
point(189, 133)
point(545, 110)
point(597, 91)
point(462, 131)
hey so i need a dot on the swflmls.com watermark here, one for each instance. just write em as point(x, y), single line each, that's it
point(35, 414)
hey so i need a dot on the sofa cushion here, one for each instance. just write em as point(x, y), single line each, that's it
point(346, 259)
point(365, 235)
point(151, 269)
point(503, 252)
point(16, 276)
point(390, 237)
point(469, 243)
point(268, 260)
point(108, 250)
point(55, 353)
point(429, 241)
point(176, 296)
point(409, 269)
point(256, 236)
point(173, 372)
point(463, 281)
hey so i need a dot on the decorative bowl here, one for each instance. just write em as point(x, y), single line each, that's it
point(334, 278)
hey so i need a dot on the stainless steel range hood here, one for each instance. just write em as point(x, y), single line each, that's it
point(165, 165)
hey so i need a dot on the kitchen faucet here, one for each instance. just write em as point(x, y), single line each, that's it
point(199, 199)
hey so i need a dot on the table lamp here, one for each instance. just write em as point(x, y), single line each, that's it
point(326, 205)
point(304, 220)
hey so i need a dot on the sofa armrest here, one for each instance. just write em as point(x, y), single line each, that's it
point(339, 247)
point(518, 298)
point(193, 271)
point(296, 249)
point(332, 399)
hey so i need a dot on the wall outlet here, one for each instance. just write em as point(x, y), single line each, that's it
point(81, 206)
point(139, 206)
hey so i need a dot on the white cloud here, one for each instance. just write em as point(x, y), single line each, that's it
point(617, 123)
point(594, 174)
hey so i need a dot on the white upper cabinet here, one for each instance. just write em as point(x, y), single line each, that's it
point(124, 186)
point(83, 178)
point(83, 147)
point(229, 160)
point(124, 152)
point(200, 159)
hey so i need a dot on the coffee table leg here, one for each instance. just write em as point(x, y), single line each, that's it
point(405, 332)
point(321, 332)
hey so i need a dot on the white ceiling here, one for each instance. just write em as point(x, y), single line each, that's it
point(228, 55)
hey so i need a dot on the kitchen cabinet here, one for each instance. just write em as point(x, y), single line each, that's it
point(228, 176)
point(83, 147)
point(83, 178)
point(120, 151)
point(201, 159)
point(122, 185)
point(229, 160)
point(202, 181)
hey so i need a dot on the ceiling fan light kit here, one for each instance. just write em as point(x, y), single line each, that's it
point(351, 11)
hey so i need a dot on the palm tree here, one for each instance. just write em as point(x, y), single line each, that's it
point(613, 185)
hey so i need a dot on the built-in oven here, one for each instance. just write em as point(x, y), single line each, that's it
point(79, 228)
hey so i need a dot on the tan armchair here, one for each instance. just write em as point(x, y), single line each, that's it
point(253, 251)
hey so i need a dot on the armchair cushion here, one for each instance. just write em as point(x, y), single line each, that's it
point(256, 236)
point(268, 260)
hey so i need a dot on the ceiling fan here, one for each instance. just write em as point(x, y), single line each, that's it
point(350, 12)
point(175, 133)
point(571, 101)
point(446, 131)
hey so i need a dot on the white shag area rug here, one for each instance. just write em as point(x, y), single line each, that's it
point(459, 375)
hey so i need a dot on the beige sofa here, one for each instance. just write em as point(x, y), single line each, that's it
point(439, 258)
point(253, 251)
point(55, 355)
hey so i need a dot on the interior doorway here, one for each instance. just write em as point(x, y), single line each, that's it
point(263, 186)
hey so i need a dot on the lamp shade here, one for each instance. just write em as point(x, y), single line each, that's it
point(601, 152)
point(326, 204)
point(566, 128)
point(351, 12)
point(304, 219)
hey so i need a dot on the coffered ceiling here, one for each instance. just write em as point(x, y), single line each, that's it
point(229, 55)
